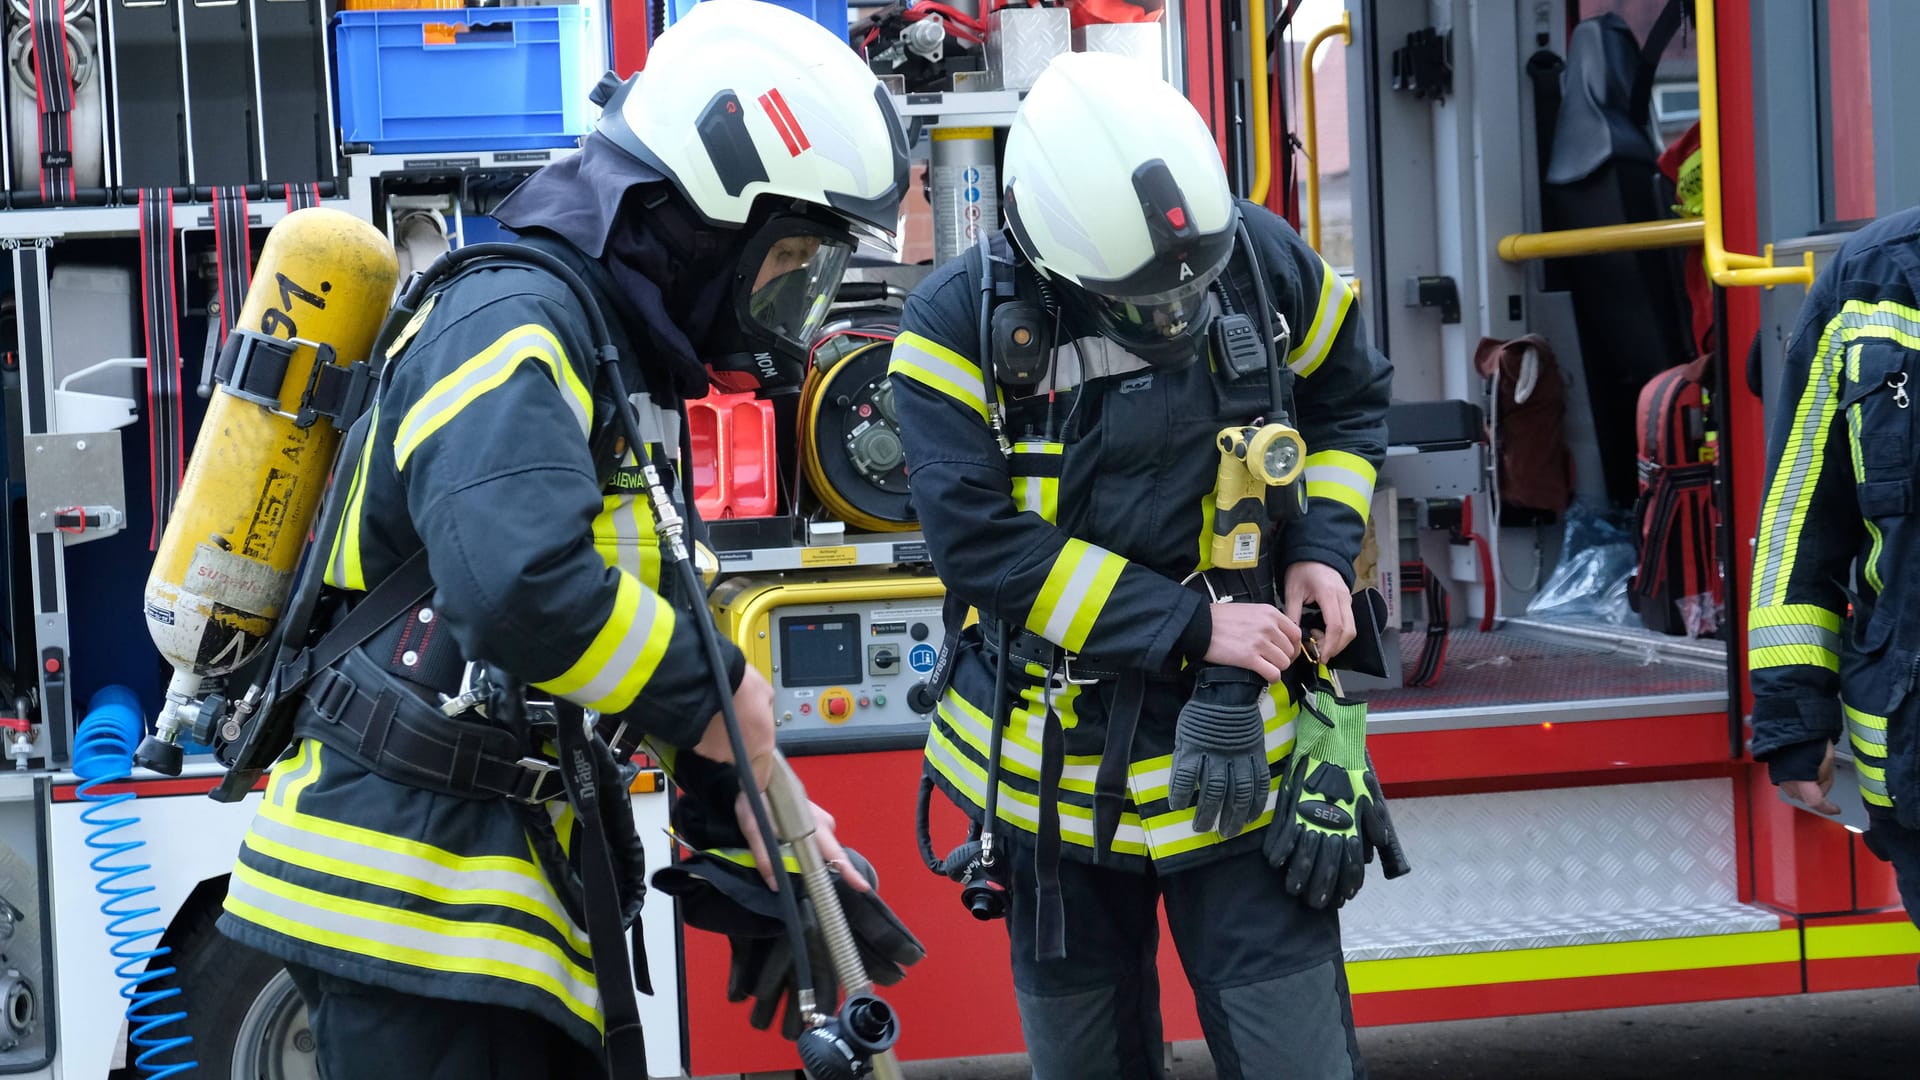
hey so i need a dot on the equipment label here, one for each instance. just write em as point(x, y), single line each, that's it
point(1246, 548)
point(223, 577)
point(913, 551)
point(829, 556)
point(921, 658)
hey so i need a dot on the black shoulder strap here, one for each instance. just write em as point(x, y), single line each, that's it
point(1657, 39)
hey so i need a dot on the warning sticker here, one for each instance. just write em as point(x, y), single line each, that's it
point(829, 556)
point(235, 581)
point(1246, 548)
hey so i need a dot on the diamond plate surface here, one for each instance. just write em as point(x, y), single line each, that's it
point(1528, 869)
point(19, 883)
point(1521, 665)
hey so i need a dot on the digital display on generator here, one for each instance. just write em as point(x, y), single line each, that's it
point(820, 650)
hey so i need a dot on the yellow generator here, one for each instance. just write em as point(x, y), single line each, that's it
point(848, 656)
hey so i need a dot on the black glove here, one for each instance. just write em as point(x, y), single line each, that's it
point(1220, 751)
point(722, 892)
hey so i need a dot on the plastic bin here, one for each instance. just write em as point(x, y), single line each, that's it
point(734, 469)
point(831, 14)
point(471, 79)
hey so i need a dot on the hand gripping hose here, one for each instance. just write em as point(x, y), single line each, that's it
point(102, 755)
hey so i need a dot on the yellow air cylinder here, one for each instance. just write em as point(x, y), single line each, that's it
point(226, 561)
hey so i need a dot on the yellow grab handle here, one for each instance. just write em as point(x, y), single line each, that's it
point(1310, 120)
point(1728, 269)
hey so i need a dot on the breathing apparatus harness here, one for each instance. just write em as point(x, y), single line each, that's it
point(1017, 347)
point(485, 758)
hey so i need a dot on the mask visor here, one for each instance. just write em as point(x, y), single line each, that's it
point(788, 277)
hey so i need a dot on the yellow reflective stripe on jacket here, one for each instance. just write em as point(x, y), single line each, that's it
point(623, 655)
point(1345, 478)
point(1868, 734)
point(623, 535)
point(343, 564)
point(1075, 592)
point(1872, 568)
point(311, 842)
point(1019, 749)
point(939, 368)
point(416, 940)
point(1802, 461)
point(1149, 778)
point(1020, 808)
point(292, 777)
point(487, 370)
point(1789, 634)
point(1310, 349)
point(743, 858)
point(1038, 492)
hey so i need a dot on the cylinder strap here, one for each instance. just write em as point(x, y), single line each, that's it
point(53, 87)
point(160, 315)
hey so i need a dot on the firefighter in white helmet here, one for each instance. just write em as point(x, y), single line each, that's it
point(1143, 697)
point(421, 873)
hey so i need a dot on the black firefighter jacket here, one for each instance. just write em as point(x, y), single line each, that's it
point(1837, 529)
point(1084, 533)
point(490, 448)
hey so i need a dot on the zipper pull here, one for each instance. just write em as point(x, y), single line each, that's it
point(1898, 384)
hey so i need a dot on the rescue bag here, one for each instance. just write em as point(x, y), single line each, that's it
point(1675, 586)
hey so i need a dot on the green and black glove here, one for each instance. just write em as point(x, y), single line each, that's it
point(721, 891)
point(1331, 816)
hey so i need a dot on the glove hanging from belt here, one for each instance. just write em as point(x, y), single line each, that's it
point(1220, 751)
point(720, 891)
point(1331, 817)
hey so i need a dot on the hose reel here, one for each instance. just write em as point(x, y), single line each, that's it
point(850, 446)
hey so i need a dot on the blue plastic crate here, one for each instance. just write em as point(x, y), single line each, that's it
point(831, 14)
point(462, 79)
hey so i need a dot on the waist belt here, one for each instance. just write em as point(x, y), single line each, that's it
point(1027, 647)
point(363, 713)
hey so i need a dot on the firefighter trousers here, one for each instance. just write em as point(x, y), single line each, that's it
point(1266, 972)
point(364, 1031)
point(1899, 845)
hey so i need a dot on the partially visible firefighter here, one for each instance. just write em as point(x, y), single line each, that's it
point(417, 860)
point(1834, 630)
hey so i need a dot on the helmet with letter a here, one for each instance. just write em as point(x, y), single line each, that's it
point(1114, 190)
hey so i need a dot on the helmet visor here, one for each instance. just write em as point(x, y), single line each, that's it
point(1157, 318)
point(788, 277)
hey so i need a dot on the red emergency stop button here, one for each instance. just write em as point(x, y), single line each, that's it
point(836, 705)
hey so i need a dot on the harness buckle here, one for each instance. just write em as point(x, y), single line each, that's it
point(540, 770)
point(1066, 672)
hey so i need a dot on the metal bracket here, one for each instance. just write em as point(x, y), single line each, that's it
point(1430, 290)
point(1424, 65)
point(68, 472)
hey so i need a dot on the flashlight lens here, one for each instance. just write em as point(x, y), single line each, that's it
point(1281, 457)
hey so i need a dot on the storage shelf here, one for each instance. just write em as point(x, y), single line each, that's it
point(74, 222)
point(986, 108)
point(451, 162)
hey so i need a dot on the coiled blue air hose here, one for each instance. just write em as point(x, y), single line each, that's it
point(103, 754)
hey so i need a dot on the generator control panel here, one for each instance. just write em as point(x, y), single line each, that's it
point(848, 658)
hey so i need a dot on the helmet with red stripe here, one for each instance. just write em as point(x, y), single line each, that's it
point(743, 101)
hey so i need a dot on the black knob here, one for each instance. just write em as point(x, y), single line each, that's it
point(919, 631)
point(986, 899)
point(159, 755)
point(920, 699)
